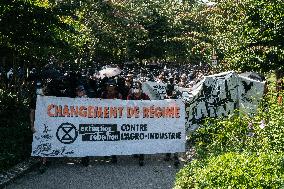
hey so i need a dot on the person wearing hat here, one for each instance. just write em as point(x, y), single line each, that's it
point(81, 93)
point(130, 76)
point(111, 93)
point(137, 94)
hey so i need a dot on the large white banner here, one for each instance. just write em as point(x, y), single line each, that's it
point(77, 127)
point(220, 95)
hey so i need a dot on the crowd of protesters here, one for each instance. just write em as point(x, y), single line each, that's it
point(52, 80)
point(58, 81)
point(127, 85)
point(88, 82)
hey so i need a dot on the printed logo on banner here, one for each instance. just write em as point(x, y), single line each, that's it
point(99, 132)
point(66, 133)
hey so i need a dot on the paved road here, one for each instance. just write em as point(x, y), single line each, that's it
point(126, 174)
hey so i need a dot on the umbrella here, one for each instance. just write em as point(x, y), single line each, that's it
point(109, 72)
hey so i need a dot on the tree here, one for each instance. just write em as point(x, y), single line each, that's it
point(104, 31)
point(249, 34)
point(34, 30)
point(139, 30)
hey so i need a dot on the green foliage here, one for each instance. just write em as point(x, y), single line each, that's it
point(103, 31)
point(240, 133)
point(143, 30)
point(272, 136)
point(248, 34)
point(219, 136)
point(15, 134)
point(239, 151)
point(234, 170)
point(33, 31)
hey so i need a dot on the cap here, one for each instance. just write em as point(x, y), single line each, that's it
point(111, 83)
point(80, 88)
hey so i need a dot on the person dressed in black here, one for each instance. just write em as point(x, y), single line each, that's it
point(111, 92)
point(137, 94)
point(126, 88)
point(81, 93)
point(43, 89)
point(170, 94)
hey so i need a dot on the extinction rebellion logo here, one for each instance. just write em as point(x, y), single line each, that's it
point(66, 133)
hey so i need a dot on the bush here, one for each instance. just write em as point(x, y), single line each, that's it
point(240, 133)
point(15, 134)
point(272, 135)
point(234, 170)
point(238, 151)
point(219, 136)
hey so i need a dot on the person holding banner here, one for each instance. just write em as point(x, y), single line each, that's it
point(170, 94)
point(127, 88)
point(39, 90)
point(137, 94)
point(111, 93)
point(81, 93)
